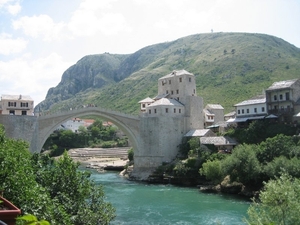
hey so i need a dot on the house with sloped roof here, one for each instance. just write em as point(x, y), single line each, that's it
point(145, 102)
point(249, 110)
point(220, 143)
point(200, 133)
point(283, 99)
point(16, 105)
point(213, 113)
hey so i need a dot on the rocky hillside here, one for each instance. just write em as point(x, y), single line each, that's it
point(229, 67)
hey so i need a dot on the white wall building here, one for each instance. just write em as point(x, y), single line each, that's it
point(252, 109)
point(16, 105)
point(73, 124)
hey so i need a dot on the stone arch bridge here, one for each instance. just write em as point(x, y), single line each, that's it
point(36, 129)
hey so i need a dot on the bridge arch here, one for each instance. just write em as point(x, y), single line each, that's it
point(127, 123)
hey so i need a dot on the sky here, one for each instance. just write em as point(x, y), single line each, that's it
point(40, 39)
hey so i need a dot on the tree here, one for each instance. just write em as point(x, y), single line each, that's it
point(77, 196)
point(279, 203)
point(291, 166)
point(280, 145)
point(242, 165)
point(212, 170)
point(52, 190)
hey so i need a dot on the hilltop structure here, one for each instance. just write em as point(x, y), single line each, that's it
point(165, 119)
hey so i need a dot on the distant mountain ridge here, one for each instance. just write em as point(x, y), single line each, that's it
point(229, 68)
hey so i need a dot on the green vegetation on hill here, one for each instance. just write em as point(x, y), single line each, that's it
point(229, 68)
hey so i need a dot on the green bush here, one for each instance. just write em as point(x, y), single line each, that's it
point(279, 203)
point(52, 190)
point(130, 154)
point(242, 165)
point(212, 170)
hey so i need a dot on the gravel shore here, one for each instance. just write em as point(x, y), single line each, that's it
point(100, 158)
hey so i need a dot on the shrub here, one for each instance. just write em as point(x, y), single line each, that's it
point(212, 170)
point(130, 154)
point(279, 203)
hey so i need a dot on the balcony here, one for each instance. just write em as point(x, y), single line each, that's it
point(285, 111)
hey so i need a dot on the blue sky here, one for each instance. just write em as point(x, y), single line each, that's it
point(40, 39)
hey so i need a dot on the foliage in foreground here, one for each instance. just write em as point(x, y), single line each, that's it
point(52, 190)
point(279, 203)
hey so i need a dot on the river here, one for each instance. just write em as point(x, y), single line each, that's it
point(146, 204)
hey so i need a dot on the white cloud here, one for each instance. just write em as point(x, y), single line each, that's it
point(9, 45)
point(31, 77)
point(14, 9)
point(41, 26)
point(94, 16)
point(11, 6)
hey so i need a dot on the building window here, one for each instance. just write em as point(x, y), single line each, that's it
point(247, 110)
point(179, 110)
point(287, 96)
point(169, 81)
point(275, 97)
point(243, 111)
point(167, 110)
point(143, 105)
point(239, 111)
point(167, 91)
point(171, 92)
point(194, 91)
point(280, 97)
point(24, 113)
point(180, 79)
point(149, 111)
point(154, 110)
point(190, 79)
point(255, 110)
point(14, 104)
point(11, 112)
point(175, 110)
point(262, 109)
point(177, 91)
point(24, 104)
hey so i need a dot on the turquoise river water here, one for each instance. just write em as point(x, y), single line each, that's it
point(140, 203)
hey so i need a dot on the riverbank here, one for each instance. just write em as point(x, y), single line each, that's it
point(101, 159)
point(115, 159)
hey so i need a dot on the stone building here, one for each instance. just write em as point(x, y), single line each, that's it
point(283, 99)
point(16, 105)
point(174, 111)
point(213, 113)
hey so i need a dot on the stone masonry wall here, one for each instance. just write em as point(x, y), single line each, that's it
point(21, 127)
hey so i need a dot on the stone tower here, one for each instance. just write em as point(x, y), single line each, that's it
point(165, 120)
